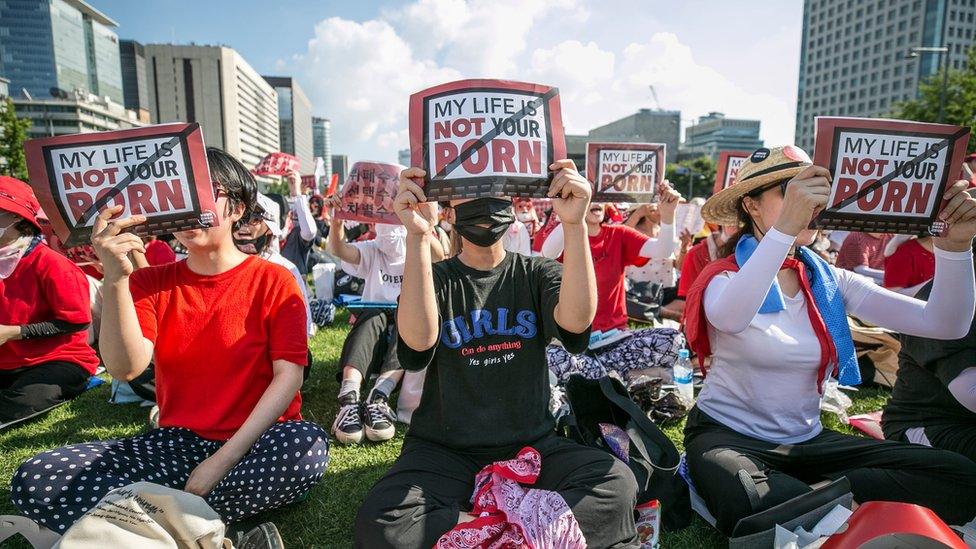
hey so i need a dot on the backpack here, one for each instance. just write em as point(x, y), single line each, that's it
point(653, 458)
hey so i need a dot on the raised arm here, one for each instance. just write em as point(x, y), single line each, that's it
point(336, 243)
point(299, 203)
point(417, 311)
point(663, 245)
point(125, 351)
point(570, 194)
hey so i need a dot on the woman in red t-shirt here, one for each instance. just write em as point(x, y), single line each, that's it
point(44, 312)
point(908, 264)
point(615, 247)
point(228, 338)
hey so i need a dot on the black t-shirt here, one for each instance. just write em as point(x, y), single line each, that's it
point(487, 381)
point(920, 397)
point(296, 249)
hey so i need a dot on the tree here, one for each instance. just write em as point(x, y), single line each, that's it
point(960, 102)
point(13, 133)
point(699, 171)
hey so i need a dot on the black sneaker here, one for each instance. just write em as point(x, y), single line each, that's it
point(348, 425)
point(263, 536)
point(379, 417)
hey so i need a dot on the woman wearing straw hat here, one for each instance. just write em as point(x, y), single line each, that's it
point(772, 315)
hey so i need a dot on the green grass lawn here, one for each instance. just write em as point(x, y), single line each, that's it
point(325, 519)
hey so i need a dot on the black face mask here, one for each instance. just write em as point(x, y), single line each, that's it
point(496, 213)
point(252, 246)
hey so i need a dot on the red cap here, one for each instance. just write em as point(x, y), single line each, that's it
point(17, 198)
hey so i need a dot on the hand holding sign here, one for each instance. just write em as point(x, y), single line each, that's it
point(806, 195)
point(113, 246)
point(411, 204)
point(570, 192)
point(669, 198)
point(960, 213)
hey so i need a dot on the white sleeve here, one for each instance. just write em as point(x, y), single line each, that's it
point(947, 314)
point(661, 247)
point(524, 241)
point(367, 250)
point(552, 247)
point(963, 388)
point(306, 222)
point(875, 274)
point(733, 299)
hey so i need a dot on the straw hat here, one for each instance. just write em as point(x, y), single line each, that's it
point(764, 167)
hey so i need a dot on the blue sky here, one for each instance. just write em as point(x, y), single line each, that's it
point(359, 61)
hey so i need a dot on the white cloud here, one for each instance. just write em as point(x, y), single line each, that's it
point(360, 74)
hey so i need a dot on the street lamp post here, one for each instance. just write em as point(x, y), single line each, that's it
point(691, 175)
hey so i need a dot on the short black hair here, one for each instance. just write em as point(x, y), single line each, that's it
point(26, 228)
point(237, 182)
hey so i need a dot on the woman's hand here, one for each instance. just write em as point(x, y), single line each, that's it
point(686, 239)
point(411, 205)
point(207, 474)
point(960, 213)
point(112, 246)
point(294, 180)
point(806, 195)
point(570, 192)
point(668, 199)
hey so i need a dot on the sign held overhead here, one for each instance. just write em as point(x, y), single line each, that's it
point(625, 172)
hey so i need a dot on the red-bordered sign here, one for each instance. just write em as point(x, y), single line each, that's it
point(369, 191)
point(276, 163)
point(727, 169)
point(888, 175)
point(157, 171)
point(479, 138)
point(625, 172)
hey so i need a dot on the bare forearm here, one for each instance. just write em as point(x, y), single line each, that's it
point(437, 251)
point(336, 244)
point(577, 293)
point(124, 350)
point(417, 311)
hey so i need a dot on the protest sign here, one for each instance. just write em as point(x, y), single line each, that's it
point(688, 217)
point(157, 171)
point(625, 172)
point(478, 138)
point(276, 163)
point(368, 193)
point(727, 169)
point(888, 175)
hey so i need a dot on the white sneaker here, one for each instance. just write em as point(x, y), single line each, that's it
point(348, 425)
point(379, 418)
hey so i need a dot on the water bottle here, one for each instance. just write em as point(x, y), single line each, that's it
point(683, 377)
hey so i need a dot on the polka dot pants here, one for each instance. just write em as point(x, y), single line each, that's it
point(55, 488)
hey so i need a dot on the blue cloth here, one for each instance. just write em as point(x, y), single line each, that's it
point(827, 298)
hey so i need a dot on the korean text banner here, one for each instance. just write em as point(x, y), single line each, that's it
point(276, 163)
point(478, 138)
point(727, 169)
point(625, 172)
point(157, 171)
point(888, 175)
point(368, 193)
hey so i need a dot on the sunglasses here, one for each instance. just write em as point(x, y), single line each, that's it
point(782, 184)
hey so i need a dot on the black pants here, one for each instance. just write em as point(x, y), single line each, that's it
point(370, 346)
point(420, 497)
point(28, 390)
point(959, 438)
point(738, 475)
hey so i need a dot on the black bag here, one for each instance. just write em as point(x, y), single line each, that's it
point(644, 301)
point(654, 459)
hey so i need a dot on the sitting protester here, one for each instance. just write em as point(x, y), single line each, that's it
point(479, 323)
point(909, 263)
point(659, 270)
point(307, 228)
point(934, 398)
point(45, 310)
point(863, 253)
point(773, 317)
point(227, 334)
point(613, 248)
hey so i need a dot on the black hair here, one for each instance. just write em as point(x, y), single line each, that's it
point(26, 228)
point(236, 181)
point(745, 225)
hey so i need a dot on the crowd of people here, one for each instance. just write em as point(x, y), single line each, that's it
point(493, 304)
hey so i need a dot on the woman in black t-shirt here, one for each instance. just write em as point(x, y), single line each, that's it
point(479, 323)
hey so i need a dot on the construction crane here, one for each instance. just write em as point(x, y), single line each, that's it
point(654, 95)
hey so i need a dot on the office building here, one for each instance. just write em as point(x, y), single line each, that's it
point(644, 126)
point(4, 88)
point(76, 112)
point(322, 141)
point(214, 85)
point(294, 120)
point(340, 165)
point(855, 56)
point(48, 45)
point(135, 91)
point(714, 133)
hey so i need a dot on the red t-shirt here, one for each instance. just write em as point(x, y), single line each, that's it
point(698, 256)
point(910, 265)
point(159, 253)
point(862, 249)
point(616, 247)
point(215, 338)
point(46, 286)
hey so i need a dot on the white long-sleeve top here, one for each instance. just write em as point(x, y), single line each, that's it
point(763, 379)
point(306, 221)
point(660, 247)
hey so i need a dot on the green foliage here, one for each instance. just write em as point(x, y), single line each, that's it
point(702, 176)
point(960, 103)
point(13, 133)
